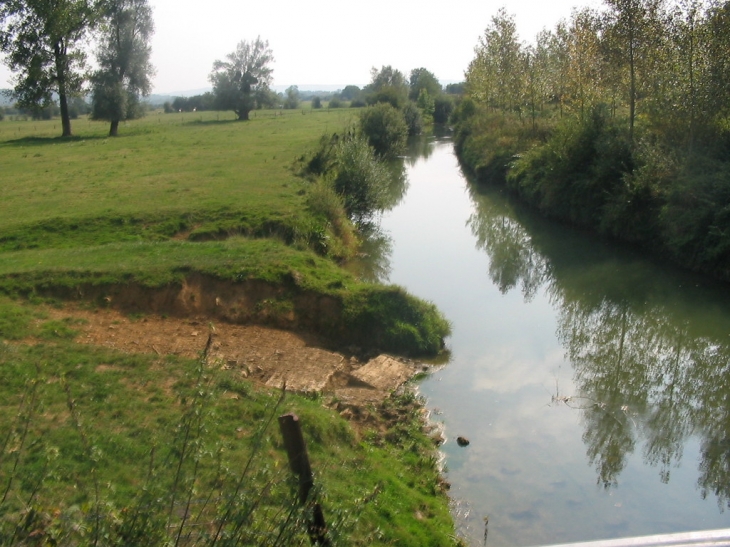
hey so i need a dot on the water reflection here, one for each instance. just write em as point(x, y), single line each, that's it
point(650, 359)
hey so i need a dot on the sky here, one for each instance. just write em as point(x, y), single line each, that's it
point(327, 42)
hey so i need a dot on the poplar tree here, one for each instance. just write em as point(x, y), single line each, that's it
point(634, 32)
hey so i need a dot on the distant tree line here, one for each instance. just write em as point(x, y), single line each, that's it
point(617, 120)
point(77, 106)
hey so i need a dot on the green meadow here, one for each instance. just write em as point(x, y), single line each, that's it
point(103, 448)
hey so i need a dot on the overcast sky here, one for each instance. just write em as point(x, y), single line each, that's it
point(329, 42)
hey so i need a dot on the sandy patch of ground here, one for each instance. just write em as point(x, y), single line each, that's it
point(268, 356)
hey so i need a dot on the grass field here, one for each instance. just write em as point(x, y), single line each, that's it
point(163, 174)
point(103, 448)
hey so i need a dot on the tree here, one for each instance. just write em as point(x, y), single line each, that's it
point(292, 98)
point(387, 85)
point(423, 79)
point(241, 83)
point(124, 62)
point(43, 40)
point(494, 76)
point(634, 31)
point(350, 92)
point(584, 62)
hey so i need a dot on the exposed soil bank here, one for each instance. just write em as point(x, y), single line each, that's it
point(178, 322)
point(375, 317)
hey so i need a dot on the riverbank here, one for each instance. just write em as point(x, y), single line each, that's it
point(201, 224)
point(584, 172)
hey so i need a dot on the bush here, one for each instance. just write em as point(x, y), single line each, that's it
point(393, 320)
point(316, 102)
point(573, 175)
point(361, 179)
point(337, 235)
point(413, 118)
point(385, 129)
point(443, 106)
point(334, 103)
point(358, 103)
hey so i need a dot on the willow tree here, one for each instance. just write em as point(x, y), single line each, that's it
point(241, 82)
point(43, 40)
point(124, 62)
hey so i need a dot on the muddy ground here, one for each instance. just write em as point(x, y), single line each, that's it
point(267, 356)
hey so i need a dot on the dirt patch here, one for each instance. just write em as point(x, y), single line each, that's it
point(268, 356)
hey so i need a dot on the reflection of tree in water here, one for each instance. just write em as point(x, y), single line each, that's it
point(373, 263)
point(714, 418)
point(513, 257)
point(643, 371)
point(398, 185)
point(419, 148)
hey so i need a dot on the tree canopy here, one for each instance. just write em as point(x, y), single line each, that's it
point(422, 79)
point(241, 82)
point(124, 61)
point(43, 40)
point(388, 85)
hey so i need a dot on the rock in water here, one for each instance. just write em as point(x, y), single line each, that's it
point(462, 441)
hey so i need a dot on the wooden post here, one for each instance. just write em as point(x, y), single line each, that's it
point(296, 451)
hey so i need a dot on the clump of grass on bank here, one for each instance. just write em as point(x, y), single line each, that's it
point(106, 448)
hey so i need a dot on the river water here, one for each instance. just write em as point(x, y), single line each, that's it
point(592, 383)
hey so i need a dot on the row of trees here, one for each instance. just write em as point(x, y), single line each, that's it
point(44, 42)
point(617, 120)
point(242, 83)
point(642, 58)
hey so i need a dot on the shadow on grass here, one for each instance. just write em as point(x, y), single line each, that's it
point(44, 141)
point(212, 122)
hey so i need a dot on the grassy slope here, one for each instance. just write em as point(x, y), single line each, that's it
point(107, 210)
point(130, 410)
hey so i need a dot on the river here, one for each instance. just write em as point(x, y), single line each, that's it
point(591, 382)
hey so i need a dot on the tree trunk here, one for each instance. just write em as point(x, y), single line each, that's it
point(114, 128)
point(60, 54)
point(243, 115)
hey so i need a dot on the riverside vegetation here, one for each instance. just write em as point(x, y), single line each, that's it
point(105, 448)
point(616, 120)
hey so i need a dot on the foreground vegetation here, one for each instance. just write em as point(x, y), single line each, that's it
point(102, 448)
point(616, 121)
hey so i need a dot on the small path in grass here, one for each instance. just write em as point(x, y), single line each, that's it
point(267, 356)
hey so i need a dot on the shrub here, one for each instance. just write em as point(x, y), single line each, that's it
point(385, 129)
point(575, 173)
point(393, 320)
point(316, 102)
point(334, 103)
point(442, 108)
point(413, 118)
point(361, 179)
point(337, 234)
